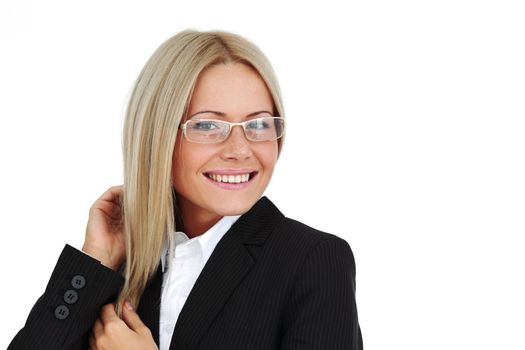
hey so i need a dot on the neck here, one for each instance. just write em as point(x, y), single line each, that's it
point(196, 221)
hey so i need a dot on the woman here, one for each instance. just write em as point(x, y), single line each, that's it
point(207, 262)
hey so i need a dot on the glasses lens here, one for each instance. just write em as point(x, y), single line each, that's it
point(206, 131)
point(265, 129)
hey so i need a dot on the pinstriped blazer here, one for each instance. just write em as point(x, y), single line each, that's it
point(270, 283)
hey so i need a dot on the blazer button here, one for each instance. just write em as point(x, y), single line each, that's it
point(70, 296)
point(78, 282)
point(61, 312)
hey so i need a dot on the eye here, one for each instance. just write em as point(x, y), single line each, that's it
point(204, 125)
point(259, 124)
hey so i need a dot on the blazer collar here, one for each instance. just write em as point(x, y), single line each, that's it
point(254, 226)
point(226, 268)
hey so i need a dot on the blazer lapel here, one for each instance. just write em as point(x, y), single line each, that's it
point(222, 274)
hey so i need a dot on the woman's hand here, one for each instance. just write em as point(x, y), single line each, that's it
point(104, 234)
point(112, 333)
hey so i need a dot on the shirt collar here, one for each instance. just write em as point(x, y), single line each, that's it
point(207, 241)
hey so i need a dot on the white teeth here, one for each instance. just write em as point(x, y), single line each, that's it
point(230, 178)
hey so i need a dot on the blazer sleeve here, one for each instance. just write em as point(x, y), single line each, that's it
point(63, 316)
point(322, 312)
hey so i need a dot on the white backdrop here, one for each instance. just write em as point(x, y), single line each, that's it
point(406, 138)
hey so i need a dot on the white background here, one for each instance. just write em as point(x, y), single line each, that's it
point(406, 138)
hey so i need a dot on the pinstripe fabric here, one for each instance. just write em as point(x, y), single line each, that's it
point(43, 330)
point(271, 283)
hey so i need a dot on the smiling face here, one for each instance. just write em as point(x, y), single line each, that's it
point(214, 180)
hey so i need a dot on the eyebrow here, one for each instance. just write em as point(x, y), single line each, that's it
point(222, 114)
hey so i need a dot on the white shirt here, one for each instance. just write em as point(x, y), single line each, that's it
point(182, 263)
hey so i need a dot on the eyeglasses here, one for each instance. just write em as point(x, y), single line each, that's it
point(216, 131)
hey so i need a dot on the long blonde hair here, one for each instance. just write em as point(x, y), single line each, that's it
point(158, 102)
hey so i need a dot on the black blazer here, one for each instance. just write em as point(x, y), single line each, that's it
point(270, 283)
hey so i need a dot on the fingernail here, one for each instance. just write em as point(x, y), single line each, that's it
point(128, 306)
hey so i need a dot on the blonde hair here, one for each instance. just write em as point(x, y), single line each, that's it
point(158, 102)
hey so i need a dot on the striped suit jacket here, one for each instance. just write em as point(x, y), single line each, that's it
point(270, 283)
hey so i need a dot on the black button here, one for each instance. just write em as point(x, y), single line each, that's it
point(61, 312)
point(70, 296)
point(78, 282)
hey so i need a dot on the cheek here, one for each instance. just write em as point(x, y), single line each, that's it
point(267, 155)
point(188, 161)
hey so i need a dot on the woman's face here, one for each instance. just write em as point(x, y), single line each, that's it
point(231, 92)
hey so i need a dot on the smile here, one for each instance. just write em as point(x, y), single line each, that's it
point(231, 180)
point(235, 179)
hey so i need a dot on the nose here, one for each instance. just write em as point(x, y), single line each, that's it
point(237, 146)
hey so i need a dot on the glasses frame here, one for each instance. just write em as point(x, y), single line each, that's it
point(231, 126)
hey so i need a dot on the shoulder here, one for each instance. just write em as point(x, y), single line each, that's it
point(302, 240)
point(288, 242)
point(295, 231)
point(322, 293)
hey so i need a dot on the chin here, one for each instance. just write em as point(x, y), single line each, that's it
point(235, 207)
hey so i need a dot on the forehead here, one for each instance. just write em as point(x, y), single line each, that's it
point(231, 88)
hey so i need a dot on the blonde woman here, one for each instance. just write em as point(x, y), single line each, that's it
point(188, 253)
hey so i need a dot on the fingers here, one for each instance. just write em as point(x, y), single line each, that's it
point(110, 210)
point(96, 332)
point(107, 326)
point(108, 314)
point(110, 201)
point(132, 319)
point(110, 332)
point(113, 194)
point(98, 328)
